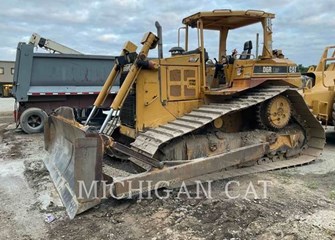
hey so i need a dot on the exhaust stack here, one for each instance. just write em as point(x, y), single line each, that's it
point(160, 39)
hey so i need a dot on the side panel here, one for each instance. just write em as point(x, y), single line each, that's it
point(180, 78)
point(153, 110)
point(69, 70)
point(182, 83)
point(169, 92)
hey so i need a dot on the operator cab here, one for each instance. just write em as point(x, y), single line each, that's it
point(232, 72)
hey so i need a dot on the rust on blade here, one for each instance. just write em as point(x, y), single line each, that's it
point(74, 162)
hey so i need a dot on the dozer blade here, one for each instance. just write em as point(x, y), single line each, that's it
point(74, 161)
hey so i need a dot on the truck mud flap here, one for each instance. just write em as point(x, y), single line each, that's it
point(74, 161)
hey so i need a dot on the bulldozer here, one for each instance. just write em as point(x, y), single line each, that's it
point(319, 92)
point(185, 118)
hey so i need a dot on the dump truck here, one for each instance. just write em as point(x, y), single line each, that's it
point(319, 93)
point(185, 118)
point(46, 81)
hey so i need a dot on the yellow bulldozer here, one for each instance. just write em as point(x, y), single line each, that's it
point(319, 93)
point(185, 118)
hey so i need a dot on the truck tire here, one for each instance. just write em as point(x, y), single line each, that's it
point(32, 120)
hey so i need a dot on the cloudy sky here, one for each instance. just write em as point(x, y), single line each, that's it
point(302, 28)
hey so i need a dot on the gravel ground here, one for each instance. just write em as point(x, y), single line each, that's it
point(299, 203)
point(6, 105)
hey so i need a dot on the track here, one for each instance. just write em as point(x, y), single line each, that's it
point(150, 141)
point(230, 173)
point(228, 164)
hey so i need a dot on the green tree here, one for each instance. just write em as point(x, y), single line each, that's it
point(302, 69)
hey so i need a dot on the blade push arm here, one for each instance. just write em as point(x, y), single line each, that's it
point(129, 47)
point(149, 41)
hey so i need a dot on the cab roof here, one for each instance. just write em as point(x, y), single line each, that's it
point(227, 18)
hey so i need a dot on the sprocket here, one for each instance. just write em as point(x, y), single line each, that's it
point(275, 113)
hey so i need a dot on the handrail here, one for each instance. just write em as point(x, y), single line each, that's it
point(179, 34)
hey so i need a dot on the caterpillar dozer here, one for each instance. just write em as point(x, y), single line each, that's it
point(185, 118)
point(319, 93)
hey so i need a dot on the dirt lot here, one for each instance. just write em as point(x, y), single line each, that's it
point(299, 203)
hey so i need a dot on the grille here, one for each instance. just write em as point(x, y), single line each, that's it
point(128, 110)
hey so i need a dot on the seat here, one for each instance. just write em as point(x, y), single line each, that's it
point(246, 50)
